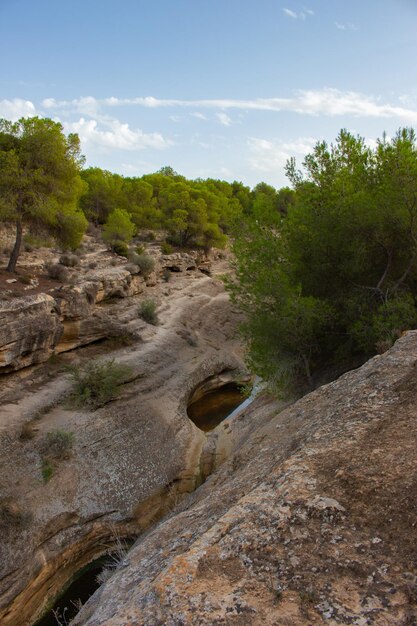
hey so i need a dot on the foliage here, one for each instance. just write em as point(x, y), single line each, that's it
point(95, 384)
point(146, 264)
point(166, 248)
point(57, 271)
point(39, 181)
point(332, 279)
point(120, 247)
point(147, 311)
point(58, 444)
point(47, 470)
point(69, 260)
point(118, 227)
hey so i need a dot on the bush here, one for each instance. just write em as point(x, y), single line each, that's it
point(58, 272)
point(166, 275)
point(58, 444)
point(166, 248)
point(140, 249)
point(47, 470)
point(95, 384)
point(120, 247)
point(92, 265)
point(147, 311)
point(69, 260)
point(146, 264)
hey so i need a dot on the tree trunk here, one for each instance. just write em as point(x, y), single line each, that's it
point(16, 248)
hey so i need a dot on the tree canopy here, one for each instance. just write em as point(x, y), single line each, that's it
point(40, 183)
point(336, 279)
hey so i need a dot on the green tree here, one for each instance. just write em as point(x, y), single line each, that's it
point(335, 280)
point(39, 181)
point(119, 227)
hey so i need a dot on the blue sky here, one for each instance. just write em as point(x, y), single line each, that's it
point(222, 88)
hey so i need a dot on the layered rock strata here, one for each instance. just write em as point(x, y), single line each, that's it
point(312, 520)
point(130, 460)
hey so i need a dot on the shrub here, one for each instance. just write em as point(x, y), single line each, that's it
point(146, 264)
point(95, 384)
point(120, 247)
point(47, 470)
point(58, 444)
point(147, 311)
point(166, 275)
point(92, 265)
point(140, 249)
point(166, 248)
point(69, 260)
point(58, 272)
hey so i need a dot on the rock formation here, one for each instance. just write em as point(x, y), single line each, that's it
point(130, 459)
point(312, 519)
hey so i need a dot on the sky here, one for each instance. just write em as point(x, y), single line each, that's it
point(225, 89)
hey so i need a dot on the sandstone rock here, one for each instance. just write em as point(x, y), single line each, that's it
point(131, 460)
point(30, 328)
point(274, 536)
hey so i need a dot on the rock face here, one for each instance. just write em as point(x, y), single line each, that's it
point(30, 328)
point(312, 520)
point(130, 459)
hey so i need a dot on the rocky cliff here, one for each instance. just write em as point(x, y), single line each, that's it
point(312, 520)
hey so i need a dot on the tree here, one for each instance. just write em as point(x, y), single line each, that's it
point(335, 279)
point(119, 227)
point(39, 181)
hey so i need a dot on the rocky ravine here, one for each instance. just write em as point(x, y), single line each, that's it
point(131, 459)
point(312, 520)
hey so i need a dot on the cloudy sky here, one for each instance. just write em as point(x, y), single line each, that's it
point(221, 88)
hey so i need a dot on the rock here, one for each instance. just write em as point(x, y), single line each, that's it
point(131, 461)
point(30, 328)
point(272, 535)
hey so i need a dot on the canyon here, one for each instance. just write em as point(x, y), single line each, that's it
point(302, 512)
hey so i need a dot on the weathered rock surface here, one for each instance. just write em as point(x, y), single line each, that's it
point(130, 459)
point(29, 330)
point(312, 520)
point(35, 326)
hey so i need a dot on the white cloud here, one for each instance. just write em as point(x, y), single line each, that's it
point(290, 13)
point(16, 108)
point(86, 105)
point(295, 15)
point(199, 116)
point(347, 26)
point(325, 101)
point(224, 119)
point(269, 156)
point(117, 135)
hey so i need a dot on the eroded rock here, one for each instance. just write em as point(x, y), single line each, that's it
point(311, 521)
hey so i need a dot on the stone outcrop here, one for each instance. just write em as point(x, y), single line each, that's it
point(130, 460)
point(30, 328)
point(312, 520)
